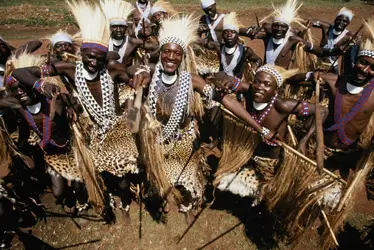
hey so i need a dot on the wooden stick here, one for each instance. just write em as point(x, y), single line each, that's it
point(134, 112)
point(293, 138)
point(329, 226)
point(320, 153)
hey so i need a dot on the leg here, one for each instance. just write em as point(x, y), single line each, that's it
point(81, 195)
point(58, 186)
point(124, 192)
point(186, 205)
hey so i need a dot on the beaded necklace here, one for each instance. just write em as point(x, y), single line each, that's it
point(262, 117)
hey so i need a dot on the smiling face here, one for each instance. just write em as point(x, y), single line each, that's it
point(341, 22)
point(211, 11)
point(25, 97)
point(279, 30)
point(118, 31)
point(93, 60)
point(264, 87)
point(62, 47)
point(230, 37)
point(363, 70)
point(171, 57)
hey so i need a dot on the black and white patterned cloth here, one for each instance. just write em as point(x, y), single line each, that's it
point(104, 117)
point(181, 104)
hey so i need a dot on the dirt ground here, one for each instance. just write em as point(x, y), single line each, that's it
point(229, 224)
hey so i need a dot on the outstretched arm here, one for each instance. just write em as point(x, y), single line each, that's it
point(28, 47)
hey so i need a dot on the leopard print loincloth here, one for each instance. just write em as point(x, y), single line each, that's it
point(64, 165)
point(126, 93)
point(247, 181)
point(117, 154)
point(192, 178)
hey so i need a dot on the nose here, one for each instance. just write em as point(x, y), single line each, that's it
point(366, 69)
point(93, 62)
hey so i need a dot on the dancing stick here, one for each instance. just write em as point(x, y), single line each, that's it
point(320, 154)
point(329, 226)
point(134, 112)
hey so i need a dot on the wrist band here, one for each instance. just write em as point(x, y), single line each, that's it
point(304, 111)
point(131, 83)
point(265, 132)
point(237, 83)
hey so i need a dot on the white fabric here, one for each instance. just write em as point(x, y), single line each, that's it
point(354, 90)
point(212, 27)
point(347, 13)
point(230, 51)
point(122, 50)
point(88, 76)
point(230, 27)
point(281, 20)
point(229, 68)
point(331, 41)
point(34, 109)
point(2, 67)
point(156, 9)
point(168, 80)
point(271, 53)
point(61, 38)
point(278, 41)
point(118, 22)
point(260, 105)
point(206, 3)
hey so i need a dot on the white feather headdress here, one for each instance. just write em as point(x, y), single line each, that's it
point(231, 22)
point(287, 13)
point(22, 61)
point(117, 11)
point(93, 24)
point(178, 30)
point(367, 45)
point(346, 12)
point(163, 6)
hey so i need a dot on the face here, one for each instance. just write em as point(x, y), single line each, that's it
point(264, 87)
point(364, 69)
point(159, 16)
point(279, 30)
point(341, 22)
point(147, 30)
point(211, 11)
point(62, 47)
point(118, 31)
point(136, 17)
point(23, 96)
point(230, 38)
point(171, 57)
point(93, 60)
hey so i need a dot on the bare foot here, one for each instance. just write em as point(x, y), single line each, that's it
point(126, 217)
point(189, 217)
point(166, 208)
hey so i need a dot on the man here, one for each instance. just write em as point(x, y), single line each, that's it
point(234, 59)
point(271, 111)
point(95, 82)
point(160, 11)
point(174, 165)
point(280, 42)
point(212, 22)
point(117, 12)
point(140, 14)
point(335, 37)
point(62, 42)
point(36, 114)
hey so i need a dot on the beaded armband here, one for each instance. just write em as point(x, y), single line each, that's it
point(237, 83)
point(45, 70)
point(304, 111)
point(142, 68)
point(38, 86)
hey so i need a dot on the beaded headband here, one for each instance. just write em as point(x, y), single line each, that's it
point(175, 40)
point(96, 46)
point(273, 72)
point(366, 52)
